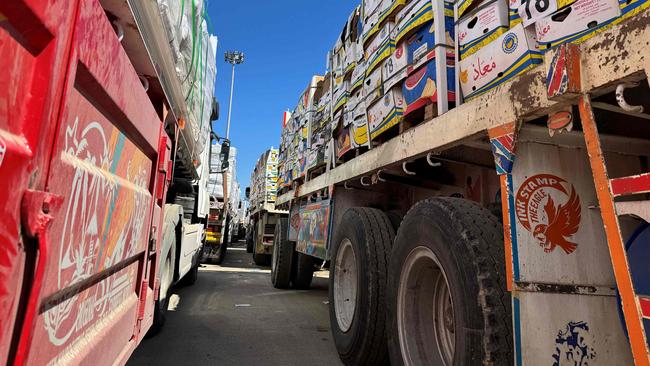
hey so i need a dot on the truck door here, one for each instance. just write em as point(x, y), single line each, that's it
point(35, 38)
point(103, 168)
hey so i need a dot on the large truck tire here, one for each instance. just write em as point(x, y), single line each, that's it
point(281, 263)
point(261, 259)
point(357, 290)
point(160, 307)
point(447, 298)
point(303, 271)
point(223, 249)
point(250, 244)
point(192, 276)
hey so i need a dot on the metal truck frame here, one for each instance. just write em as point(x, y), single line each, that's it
point(435, 259)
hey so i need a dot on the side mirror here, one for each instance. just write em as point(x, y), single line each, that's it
point(225, 154)
point(215, 110)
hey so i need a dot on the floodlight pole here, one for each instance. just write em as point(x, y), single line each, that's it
point(234, 58)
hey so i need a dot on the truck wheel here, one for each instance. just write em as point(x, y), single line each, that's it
point(282, 255)
point(191, 277)
point(303, 271)
point(223, 249)
point(447, 298)
point(357, 287)
point(160, 308)
point(261, 259)
point(249, 243)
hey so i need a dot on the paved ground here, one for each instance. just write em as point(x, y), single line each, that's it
point(233, 316)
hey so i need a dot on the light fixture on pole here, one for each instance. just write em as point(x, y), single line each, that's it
point(234, 58)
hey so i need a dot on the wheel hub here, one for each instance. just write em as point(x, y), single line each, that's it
point(345, 285)
point(425, 316)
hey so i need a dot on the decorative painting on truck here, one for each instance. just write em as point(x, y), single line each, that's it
point(309, 228)
point(552, 221)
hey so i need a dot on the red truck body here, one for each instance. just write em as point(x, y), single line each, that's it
point(84, 168)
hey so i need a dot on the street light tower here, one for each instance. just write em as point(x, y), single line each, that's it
point(234, 58)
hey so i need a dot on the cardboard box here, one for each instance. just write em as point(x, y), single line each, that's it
point(532, 11)
point(482, 26)
point(415, 15)
point(386, 112)
point(369, 7)
point(420, 43)
point(343, 143)
point(576, 22)
point(359, 132)
point(358, 76)
point(463, 8)
point(421, 88)
point(394, 68)
point(383, 13)
point(380, 48)
point(351, 34)
point(341, 92)
point(513, 53)
point(372, 86)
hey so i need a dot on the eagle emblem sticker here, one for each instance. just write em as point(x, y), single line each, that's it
point(549, 208)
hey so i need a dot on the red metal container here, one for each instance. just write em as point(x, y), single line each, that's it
point(83, 162)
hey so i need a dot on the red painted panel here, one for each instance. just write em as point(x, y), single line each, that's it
point(645, 307)
point(103, 162)
point(35, 38)
point(631, 185)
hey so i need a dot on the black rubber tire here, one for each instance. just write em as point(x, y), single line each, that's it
point(303, 271)
point(161, 305)
point(262, 260)
point(223, 249)
point(191, 276)
point(468, 242)
point(281, 264)
point(249, 241)
point(395, 218)
point(371, 234)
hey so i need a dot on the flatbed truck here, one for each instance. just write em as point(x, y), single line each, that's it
point(511, 229)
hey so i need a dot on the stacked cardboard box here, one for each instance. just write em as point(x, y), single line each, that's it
point(194, 50)
point(394, 58)
point(264, 179)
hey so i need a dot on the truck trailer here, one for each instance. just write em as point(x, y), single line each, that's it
point(103, 162)
point(475, 176)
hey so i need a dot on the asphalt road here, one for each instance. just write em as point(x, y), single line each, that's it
point(234, 316)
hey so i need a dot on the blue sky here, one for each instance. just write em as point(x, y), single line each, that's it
point(285, 42)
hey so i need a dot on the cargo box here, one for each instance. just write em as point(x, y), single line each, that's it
point(423, 40)
point(383, 14)
point(394, 68)
point(342, 142)
point(482, 26)
point(372, 86)
point(420, 88)
point(380, 48)
point(341, 92)
point(576, 22)
point(386, 112)
point(511, 54)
